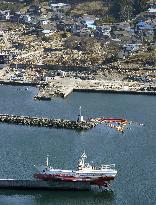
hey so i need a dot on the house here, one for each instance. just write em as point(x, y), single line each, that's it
point(128, 49)
point(44, 22)
point(65, 25)
point(34, 9)
point(131, 47)
point(35, 22)
point(151, 12)
point(49, 26)
point(122, 35)
point(152, 8)
point(32, 31)
point(59, 7)
point(89, 21)
point(22, 1)
point(46, 33)
point(145, 30)
point(123, 26)
point(26, 19)
point(4, 14)
point(143, 26)
point(76, 27)
point(57, 16)
point(16, 17)
point(48, 79)
point(103, 30)
point(61, 73)
point(4, 59)
point(85, 32)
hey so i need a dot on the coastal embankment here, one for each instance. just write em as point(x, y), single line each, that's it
point(45, 122)
point(21, 83)
point(128, 92)
point(62, 87)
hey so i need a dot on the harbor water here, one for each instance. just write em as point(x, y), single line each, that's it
point(133, 152)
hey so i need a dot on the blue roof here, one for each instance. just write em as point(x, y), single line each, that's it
point(143, 25)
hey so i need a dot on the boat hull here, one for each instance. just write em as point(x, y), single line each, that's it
point(99, 181)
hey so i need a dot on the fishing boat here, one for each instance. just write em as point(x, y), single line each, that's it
point(86, 175)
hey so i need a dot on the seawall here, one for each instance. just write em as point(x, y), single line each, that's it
point(45, 122)
point(128, 92)
point(20, 83)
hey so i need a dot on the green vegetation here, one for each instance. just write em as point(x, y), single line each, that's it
point(83, 43)
point(46, 39)
point(126, 9)
point(108, 19)
point(11, 7)
point(90, 7)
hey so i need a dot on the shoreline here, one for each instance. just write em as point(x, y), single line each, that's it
point(20, 83)
point(69, 90)
point(129, 92)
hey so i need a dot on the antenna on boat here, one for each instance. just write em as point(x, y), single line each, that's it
point(84, 155)
point(82, 160)
point(47, 161)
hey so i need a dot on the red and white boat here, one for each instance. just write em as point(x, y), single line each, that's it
point(93, 175)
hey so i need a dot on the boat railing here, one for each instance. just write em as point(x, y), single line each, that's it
point(108, 166)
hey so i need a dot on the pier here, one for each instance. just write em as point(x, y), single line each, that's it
point(45, 122)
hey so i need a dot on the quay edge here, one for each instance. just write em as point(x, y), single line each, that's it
point(128, 92)
point(18, 83)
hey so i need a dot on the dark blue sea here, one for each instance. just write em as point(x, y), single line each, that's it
point(133, 152)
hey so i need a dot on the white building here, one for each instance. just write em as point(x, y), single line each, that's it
point(47, 32)
point(5, 14)
point(60, 6)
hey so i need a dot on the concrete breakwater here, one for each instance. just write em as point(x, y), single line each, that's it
point(45, 122)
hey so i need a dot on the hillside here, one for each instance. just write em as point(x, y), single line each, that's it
point(119, 10)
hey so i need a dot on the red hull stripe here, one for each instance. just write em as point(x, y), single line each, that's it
point(98, 180)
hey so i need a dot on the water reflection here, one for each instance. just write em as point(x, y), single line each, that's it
point(56, 197)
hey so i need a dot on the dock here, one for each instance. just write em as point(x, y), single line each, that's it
point(46, 122)
point(62, 87)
